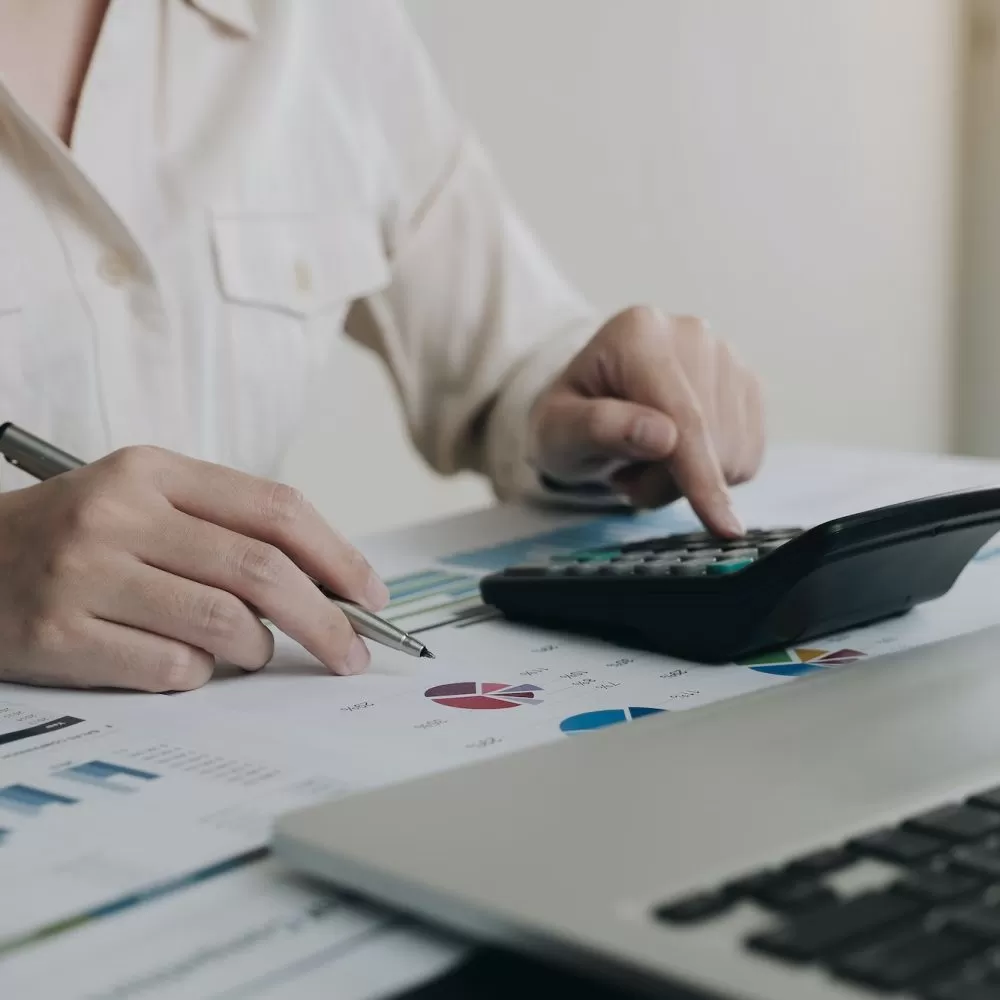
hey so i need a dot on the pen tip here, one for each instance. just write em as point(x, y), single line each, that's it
point(426, 652)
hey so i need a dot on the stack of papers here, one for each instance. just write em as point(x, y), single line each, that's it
point(133, 828)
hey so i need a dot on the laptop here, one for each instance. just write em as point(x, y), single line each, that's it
point(837, 837)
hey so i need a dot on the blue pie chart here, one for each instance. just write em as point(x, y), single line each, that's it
point(589, 721)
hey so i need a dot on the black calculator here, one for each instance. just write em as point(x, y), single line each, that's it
point(709, 600)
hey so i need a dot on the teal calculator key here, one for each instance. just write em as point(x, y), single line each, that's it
point(726, 566)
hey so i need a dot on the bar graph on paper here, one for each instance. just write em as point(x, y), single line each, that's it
point(433, 599)
point(109, 777)
point(26, 800)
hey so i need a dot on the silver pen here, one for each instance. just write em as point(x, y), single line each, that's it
point(43, 461)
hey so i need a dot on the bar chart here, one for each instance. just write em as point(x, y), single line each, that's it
point(26, 800)
point(110, 777)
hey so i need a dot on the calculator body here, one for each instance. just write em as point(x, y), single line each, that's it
point(838, 575)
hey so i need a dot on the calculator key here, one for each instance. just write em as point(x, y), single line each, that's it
point(742, 553)
point(690, 567)
point(705, 554)
point(726, 566)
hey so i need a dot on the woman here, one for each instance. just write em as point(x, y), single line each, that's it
point(196, 197)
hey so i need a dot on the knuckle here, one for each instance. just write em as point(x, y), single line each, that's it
point(181, 668)
point(260, 565)
point(283, 505)
point(135, 460)
point(218, 616)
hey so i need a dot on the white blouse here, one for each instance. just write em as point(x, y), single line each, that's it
point(246, 180)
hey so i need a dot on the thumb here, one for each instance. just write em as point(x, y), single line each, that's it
point(579, 436)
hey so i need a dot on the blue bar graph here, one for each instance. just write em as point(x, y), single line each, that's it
point(28, 801)
point(112, 777)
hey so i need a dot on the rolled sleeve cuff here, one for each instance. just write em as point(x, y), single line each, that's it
point(508, 444)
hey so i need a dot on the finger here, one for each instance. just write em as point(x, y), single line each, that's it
point(264, 577)
point(582, 436)
point(165, 604)
point(648, 486)
point(87, 652)
point(657, 380)
point(137, 660)
point(268, 511)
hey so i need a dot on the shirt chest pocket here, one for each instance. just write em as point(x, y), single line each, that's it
point(300, 266)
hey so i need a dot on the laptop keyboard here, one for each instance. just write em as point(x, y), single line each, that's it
point(932, 931)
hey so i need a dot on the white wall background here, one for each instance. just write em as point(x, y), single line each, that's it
point(783, 167)
point(978, 401)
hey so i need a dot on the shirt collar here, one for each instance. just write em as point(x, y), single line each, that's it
point(236, 15)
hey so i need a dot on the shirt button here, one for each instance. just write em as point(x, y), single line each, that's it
point(303, 276)
point(113, 269)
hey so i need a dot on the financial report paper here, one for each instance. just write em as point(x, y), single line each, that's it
point(133, 829)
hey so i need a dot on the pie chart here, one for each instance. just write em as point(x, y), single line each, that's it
point(796, 662)
point(480, 695)
point(588, 721)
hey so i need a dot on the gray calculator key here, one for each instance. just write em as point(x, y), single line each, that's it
point(747, 553)
point(701, 555)
point(691, 567)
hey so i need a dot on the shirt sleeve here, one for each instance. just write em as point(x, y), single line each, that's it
point(476, 320)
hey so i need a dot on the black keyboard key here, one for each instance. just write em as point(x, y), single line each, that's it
point(795, 896)
point(940, 887)
point(956, 823)
point(695, 908)
point(748, 886)
point(962, 991)
point(826, 931)
point(990, 799)
point(984, 968)
point(821, 862)
point(981, 921)
point(982, 860)
point(902, 847)
point(905, 960)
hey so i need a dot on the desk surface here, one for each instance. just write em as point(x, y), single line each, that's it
point(117, 866)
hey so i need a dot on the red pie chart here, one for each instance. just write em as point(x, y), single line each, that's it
point(483, 695)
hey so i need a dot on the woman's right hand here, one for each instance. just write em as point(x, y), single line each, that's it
point(141, 570)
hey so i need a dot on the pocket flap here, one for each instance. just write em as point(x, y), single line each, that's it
point(299, 264)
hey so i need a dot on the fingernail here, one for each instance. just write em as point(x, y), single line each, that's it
point(376, 593)
point(358, 657)
point(732, 523)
